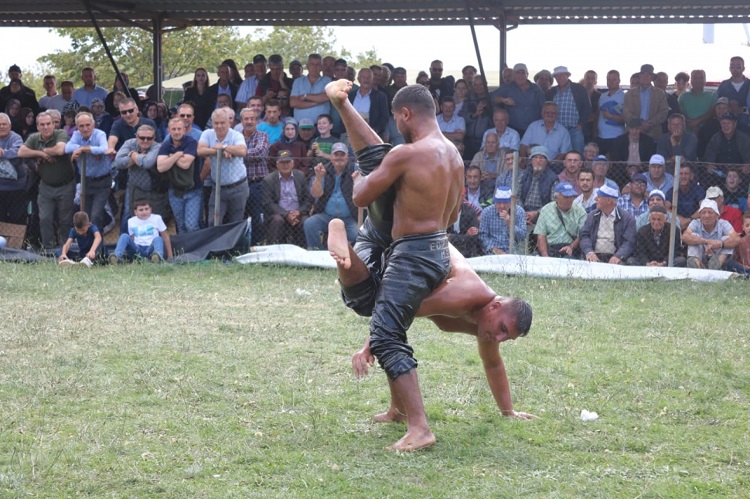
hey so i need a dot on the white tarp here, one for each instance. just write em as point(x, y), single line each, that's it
point(288, 254)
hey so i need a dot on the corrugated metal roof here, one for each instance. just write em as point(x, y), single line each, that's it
point(175, 13)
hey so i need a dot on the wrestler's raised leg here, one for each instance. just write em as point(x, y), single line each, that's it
point(352, 270)
point(359, 132)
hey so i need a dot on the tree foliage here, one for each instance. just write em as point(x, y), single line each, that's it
point(185, 50)
point(182, 52)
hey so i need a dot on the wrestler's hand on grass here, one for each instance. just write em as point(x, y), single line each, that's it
point(361, 362)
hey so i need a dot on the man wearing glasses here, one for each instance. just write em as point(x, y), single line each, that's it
point(186, 113)
point(126, 127)
point(138, 156)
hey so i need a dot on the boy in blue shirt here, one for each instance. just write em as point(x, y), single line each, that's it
point(89, 240)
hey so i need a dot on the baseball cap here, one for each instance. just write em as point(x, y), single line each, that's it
point(601, 157)
point(710, 203)
point(639, 177)
point(729, 116)
point(634, 122)
point(656, 159)
point(566, 189)
point(399, 71)
point(521, 67)
point(608, 192)
point(502, 194)
point(722, 100)
point(657, 192)
point(339, 147)
point(295, 63)
point(306, 123)
point(284, 155)
point(714, 192)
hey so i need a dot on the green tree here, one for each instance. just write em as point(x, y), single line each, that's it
point(297, 42)
point(185, 50)
point(182, 52)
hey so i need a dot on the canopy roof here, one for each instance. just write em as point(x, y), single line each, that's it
point(177, 13)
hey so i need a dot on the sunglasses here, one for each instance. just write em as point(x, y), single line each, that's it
point(146, 138)
point(186, 116)
point(127, 111)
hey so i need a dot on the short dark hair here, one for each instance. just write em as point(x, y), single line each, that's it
point(80, 219)
point(586, 169)
point(326, 116)
point(524, 314)
point(746, 214)
point(272, 103)
point(275, 59)
point(141, 202)
point(417, 98)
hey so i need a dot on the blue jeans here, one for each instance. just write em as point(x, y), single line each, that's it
point(576, 139)
point(318, 223)
point(733, 266)
point(126, 246)
point(187, 209)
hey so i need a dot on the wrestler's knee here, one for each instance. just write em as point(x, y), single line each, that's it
point(395, 357)
point(360, 297)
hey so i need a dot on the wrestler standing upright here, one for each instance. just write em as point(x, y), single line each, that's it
point(425, 178)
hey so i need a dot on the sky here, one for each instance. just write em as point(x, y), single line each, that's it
point(669, 48)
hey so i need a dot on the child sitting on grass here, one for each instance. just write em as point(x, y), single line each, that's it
point(147, 236)
point(89, 240)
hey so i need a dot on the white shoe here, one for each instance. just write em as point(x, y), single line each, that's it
point(67, 263)
point(87, 262)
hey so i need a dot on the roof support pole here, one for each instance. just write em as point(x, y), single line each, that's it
point(474, 37)
point(503, 27)
point(158, 23)
point(104, 44)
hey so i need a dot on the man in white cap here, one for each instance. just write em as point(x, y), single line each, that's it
point(494, 226)
point(522, 98)
point(536, 183)
point(655, 198)
point(656, 177)
point(573, 103)
point(332, 190)
point(710, 241)
point(608, 235)
point(559, 223)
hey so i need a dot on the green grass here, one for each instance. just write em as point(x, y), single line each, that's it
point(220, 381)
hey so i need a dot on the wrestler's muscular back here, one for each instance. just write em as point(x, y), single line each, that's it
point(428, 193)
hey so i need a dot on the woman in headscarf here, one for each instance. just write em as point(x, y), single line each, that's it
point(103, 119)
point(291, 142)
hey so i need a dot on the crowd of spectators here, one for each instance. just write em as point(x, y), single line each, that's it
point(588, 160)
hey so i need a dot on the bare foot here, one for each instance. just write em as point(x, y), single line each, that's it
point(338, 91)
point(392, 416)
point(414, 440)
point(338, 244)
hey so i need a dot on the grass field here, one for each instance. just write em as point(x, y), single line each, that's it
point(221, 380)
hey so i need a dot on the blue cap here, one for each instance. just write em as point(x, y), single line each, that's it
point(566, 189)
point(502, 194)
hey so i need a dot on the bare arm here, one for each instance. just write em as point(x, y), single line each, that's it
point(368, 189)
point(494, 369)
point(167, 243)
